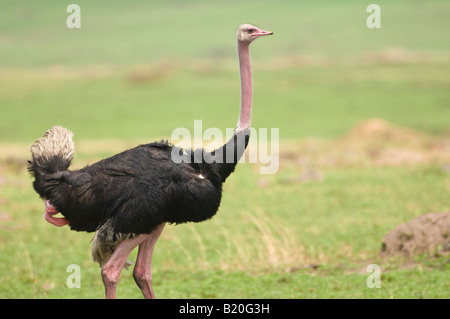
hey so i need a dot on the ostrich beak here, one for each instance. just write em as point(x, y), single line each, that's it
point(260, 33)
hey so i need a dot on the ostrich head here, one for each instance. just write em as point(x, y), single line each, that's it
point(248, 33)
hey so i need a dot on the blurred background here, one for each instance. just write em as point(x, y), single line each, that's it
point(141, 68)
point(363, 116)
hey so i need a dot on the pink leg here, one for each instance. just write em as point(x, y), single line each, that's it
point(112, 269)
point(142, 272)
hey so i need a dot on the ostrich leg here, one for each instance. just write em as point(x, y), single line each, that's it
point(112, 269)
point(142, 272)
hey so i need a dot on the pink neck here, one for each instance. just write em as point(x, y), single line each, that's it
point(245, 68)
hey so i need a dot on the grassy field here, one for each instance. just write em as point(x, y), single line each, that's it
point(137, 70)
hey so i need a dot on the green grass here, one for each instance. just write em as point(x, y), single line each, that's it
point(309, 240)
point(119, 33)
point(138, 70)
point(302, 102)
point(315, 77)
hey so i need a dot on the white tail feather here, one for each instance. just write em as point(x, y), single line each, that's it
point(57, 141)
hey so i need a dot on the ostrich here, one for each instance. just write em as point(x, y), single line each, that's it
point(128, 198)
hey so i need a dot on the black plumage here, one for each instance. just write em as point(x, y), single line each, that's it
point(140, 188)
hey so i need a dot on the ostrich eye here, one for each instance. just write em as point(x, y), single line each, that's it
point(251, 30)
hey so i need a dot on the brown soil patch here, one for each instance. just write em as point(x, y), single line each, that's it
point(380, 143)
point(151, 73)
point(423, 234)
point(374, 142)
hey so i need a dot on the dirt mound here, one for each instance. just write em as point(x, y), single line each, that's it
point(385, 144)
point(374, 142)
point(423, 234)
point(381, 131)
point(380, 143)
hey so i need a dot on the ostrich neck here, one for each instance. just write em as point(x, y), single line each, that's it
point(246, 85)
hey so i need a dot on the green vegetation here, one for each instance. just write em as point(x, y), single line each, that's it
point(136, 70)
point(282, 240)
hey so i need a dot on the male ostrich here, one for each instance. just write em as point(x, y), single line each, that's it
point(128, 198)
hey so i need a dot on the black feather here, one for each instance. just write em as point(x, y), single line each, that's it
point(140, 188)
